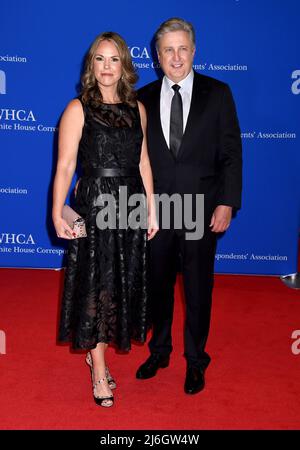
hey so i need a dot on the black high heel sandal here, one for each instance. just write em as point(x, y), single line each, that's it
point(102, 401)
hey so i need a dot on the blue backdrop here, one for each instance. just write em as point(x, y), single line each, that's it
point(251, 44)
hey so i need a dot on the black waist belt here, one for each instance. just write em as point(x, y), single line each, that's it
point(103, 172)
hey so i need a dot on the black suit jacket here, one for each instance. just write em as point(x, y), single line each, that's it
point(210, 158)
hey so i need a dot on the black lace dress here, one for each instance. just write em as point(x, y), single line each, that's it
point(105, 295)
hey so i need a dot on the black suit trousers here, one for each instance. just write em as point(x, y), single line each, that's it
point(197, 266)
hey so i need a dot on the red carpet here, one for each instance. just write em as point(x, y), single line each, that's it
point(253, 381)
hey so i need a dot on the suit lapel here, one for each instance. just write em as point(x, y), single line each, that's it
point(157, 127)
point(198, 102)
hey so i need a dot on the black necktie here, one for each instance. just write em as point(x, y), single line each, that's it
point(176, 121)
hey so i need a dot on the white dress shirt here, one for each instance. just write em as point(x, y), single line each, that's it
point(166, 95)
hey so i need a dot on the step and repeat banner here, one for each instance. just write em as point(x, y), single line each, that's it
point(251, 44)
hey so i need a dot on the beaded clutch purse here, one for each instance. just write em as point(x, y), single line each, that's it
point(75, 221)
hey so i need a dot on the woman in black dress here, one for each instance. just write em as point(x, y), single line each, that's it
point(105, 296)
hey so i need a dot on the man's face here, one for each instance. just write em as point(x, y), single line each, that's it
point(175, 54)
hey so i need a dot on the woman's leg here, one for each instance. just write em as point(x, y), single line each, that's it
point(98, 356)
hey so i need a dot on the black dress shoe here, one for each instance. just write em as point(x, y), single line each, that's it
point(194, 380)
point(151, 366)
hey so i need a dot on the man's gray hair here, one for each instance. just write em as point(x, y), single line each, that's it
point(174, 24)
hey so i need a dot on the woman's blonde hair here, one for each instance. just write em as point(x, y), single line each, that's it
point(90, 92)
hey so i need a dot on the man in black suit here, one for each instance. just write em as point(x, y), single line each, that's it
point(194, 147)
